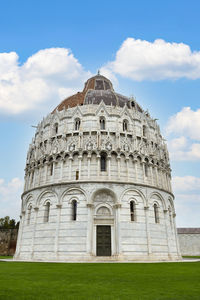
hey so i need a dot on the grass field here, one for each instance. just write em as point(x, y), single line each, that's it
point(50, 281)
point(187, 256)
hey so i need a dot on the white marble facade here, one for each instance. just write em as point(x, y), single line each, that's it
point(97, 165)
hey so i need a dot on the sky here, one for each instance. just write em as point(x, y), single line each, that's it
point(149, 50)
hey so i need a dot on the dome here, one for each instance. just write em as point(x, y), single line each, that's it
point(97, 183)
point(97, 89)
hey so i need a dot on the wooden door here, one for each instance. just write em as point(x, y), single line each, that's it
point(103, 240)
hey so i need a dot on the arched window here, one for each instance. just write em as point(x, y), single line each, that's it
point(46, 212)
point(77, 175)
point(132, 210)
point(74, 210)
point(29, 215)
point(125, 125)
point(103, 162)
point(77, 124)
point(144, 130)
point(156, 214)
point(102, 123)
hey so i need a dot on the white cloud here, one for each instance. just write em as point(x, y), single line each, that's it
point(10, 198)
point(186, 121)
point(187, 200)
point(186, 183)
point(183, 129)
point(143, 60)
point(46, 77)
point(183, 152)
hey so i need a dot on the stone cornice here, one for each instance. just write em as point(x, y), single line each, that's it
point(78, 182)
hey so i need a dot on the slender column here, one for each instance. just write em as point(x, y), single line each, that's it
point(109, 159)
point(89, 162)
point(157, 183)
point(162, 179)
point(61, 169)
point(170, 184)
point(80, 164)
point(149, 249)
point(90, 225)
point(167, 234)
point(117, 207)
point(167, 180)
point(59, 206)
point(54, 169)
point(98, 165)
point(34, 229)
point(33, 178)
point(119, 146)
point(25, 182)
point(39, 175)
point(118, 167)
point(70, 167)
point(151, 170)
point(176, 236)
point(127, 168)
point(98, 140)
point(46, 172)
point(136, 170)
point(143, 170)
point(79, 141)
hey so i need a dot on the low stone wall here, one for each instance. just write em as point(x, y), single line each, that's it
point(189, 241)
point(8, 240)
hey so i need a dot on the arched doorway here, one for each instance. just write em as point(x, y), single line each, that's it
point(103, 232)
point(104, 224)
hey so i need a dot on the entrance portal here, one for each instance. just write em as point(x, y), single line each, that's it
point(103, 240)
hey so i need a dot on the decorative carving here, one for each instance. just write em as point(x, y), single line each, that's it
point(103, 211)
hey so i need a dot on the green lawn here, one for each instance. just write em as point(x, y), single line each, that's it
point(5, 257)
point(155, 281)
point(187, 256)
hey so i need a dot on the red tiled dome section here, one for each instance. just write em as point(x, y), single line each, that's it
point(78, 98)
point(97, 89)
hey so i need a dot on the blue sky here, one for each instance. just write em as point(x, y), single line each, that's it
point(149, 49)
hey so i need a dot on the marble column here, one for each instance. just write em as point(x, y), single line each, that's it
point(108, 160)
point(46, 172)
point(118, 167)
point(20, 233)
point(117, 207)
point(90, 225)
point(98, 166)
point(58, 206)
point(176, 236)
point(165, 211)
point(70, 167)
point(151, 170)
point(61, 169)
point(127, 167)
point(80, 165)
point(34, 229)
point(89, 163)
point(149, 248)
point(136, 170)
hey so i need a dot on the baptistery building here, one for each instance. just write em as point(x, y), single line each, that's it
point(97, 183)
